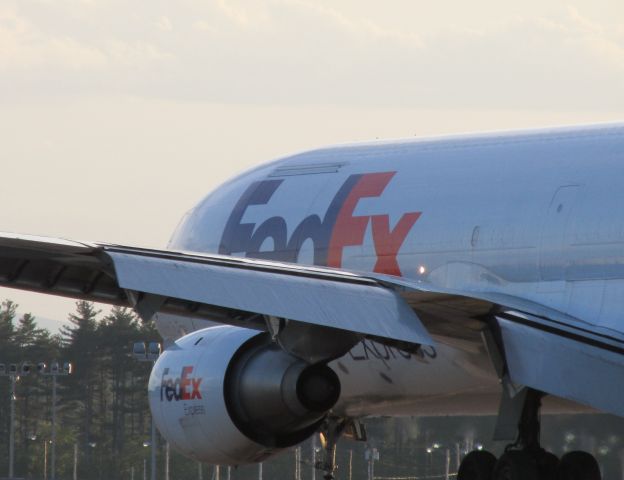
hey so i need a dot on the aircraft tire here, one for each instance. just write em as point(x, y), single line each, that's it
point(477, 465)
point(515, 465)
point(547, 465)
point(578, 465)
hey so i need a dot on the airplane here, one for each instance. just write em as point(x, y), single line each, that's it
point(465, 274)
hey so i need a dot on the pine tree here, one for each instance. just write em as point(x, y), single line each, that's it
point(79, 390)
point(8, 355)
point(119, 330)
point(33, 407)
point(8, 311)
point(27, 334)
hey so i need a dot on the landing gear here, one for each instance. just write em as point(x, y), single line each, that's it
point(477, 465)
point(578, 466)
point(526, 459)
point(331, 430)
point(516, 465)
point(330, 433)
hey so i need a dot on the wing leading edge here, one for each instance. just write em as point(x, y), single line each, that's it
point(225, 289)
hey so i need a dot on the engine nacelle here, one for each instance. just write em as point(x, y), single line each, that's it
point(226, 395)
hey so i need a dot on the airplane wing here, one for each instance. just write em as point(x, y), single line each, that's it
point(225, 289)
point(532, 345)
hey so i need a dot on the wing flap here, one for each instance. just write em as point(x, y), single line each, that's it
point(583, 368)
point(228, 289)
point(344, 303)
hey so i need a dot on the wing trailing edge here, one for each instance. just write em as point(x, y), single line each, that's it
point(228, 289)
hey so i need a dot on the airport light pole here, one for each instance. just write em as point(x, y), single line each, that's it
point(45, 460)
point(54, 372)
point(75, 472)
point(313, 457)
point(435, 452)
point(371, 454)
point(350, 464)
point(149, 352)
point(14, 374)
point(298, 463)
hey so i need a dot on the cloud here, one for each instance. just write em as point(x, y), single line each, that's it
point(297, 51)
point(237, 14)
point(28, 45)
point(23, 46)
point(163, 23)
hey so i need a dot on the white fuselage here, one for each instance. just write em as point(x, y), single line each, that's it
point(533, 216)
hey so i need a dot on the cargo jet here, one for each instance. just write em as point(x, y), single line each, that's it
point(474, 274)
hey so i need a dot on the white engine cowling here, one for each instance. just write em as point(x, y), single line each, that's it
point(227, 395)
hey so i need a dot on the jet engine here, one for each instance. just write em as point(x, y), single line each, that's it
point(229, 396)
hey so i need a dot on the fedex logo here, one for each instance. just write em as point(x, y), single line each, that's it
point(339, 227)
point(184, 387)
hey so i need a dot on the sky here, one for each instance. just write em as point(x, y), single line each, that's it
point(116, 116)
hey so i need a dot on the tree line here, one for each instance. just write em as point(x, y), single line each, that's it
point(102, 408)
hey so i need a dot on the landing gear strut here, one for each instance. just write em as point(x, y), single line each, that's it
point(329, 435)
point(526, 459)
point(330, 432)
